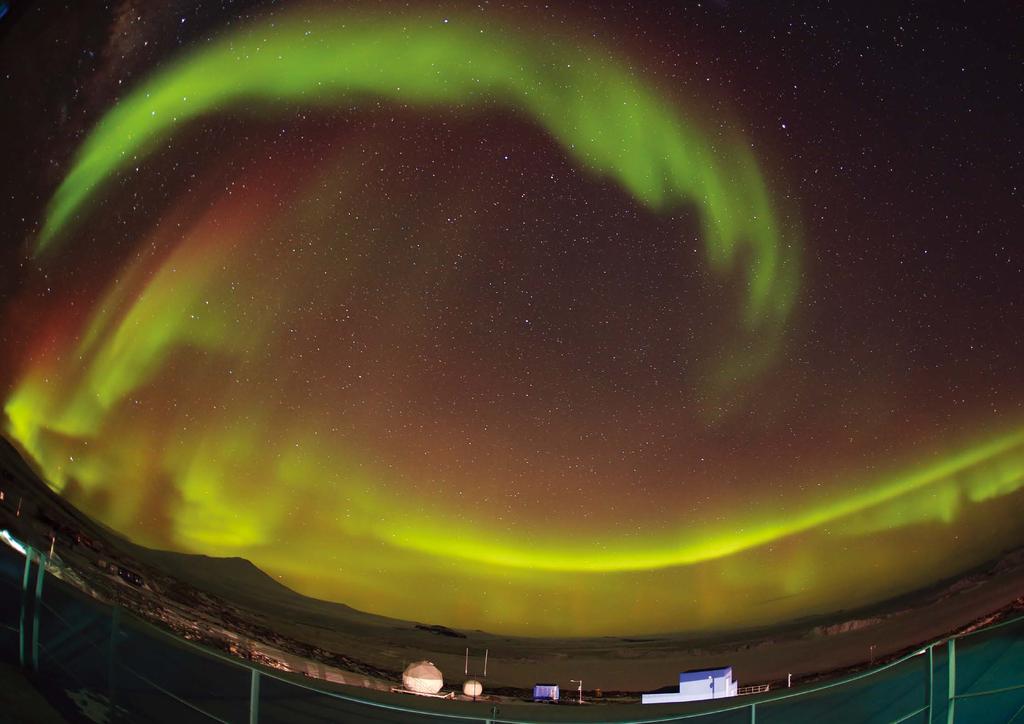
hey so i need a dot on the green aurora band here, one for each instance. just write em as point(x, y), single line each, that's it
point(605, 118)
point(609, 122)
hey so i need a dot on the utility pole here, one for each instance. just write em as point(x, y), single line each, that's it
point(466, 667)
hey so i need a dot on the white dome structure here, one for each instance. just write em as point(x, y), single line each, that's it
point(473, 688)
point(422, 677)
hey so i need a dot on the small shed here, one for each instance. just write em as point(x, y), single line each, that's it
point(545, 692)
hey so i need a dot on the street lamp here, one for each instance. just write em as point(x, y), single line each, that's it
point(578, 688)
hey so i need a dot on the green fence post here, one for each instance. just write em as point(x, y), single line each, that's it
point(951, 655)
point(254, 698)
point(115, 632)
point(931, 680)
point(24, 606)
point(40, 575)
point(753, 713)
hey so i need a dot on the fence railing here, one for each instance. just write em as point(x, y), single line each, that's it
point(84, 653)
point(755, 689)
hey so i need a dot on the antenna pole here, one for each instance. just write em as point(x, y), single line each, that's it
point(486, 651)
point(467, 661)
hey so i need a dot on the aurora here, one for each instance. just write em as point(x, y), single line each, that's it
point(464, 319)
point(604, 118)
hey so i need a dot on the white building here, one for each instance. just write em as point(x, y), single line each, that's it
point(698, 685)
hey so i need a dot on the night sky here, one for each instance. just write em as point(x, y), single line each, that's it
point(619, 319)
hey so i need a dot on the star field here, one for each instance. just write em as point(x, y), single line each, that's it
point(625, 319)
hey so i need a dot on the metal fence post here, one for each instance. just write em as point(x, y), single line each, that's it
point(24, 606)
point(931, 680)
point(37, 606)
point(951, 655)
point(753, 713)
point(115, 632)
point(254, 698)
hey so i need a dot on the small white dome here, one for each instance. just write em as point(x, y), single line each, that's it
point(473, 688)
point(422, 677)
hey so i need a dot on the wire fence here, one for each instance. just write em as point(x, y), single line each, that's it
point(100, 663)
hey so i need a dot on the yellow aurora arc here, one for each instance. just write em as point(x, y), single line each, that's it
point(73, 409)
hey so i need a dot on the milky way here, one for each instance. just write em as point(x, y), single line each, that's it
point(476, 321)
